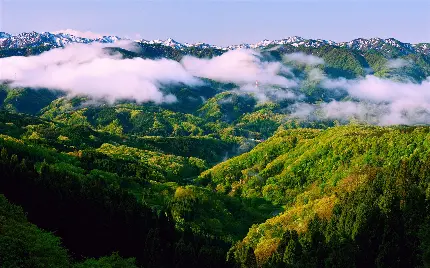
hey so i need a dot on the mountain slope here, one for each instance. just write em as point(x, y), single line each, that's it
point(316, 175)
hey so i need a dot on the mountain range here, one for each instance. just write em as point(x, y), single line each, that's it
point(35, 39)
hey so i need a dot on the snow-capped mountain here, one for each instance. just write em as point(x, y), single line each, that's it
point(34, 39)
point(295, 41)
point(378, 44)
point(206, 45)
point(58, 39)
point(4, 35)
point(423, 48)
point(168, 42)
point(356, 44)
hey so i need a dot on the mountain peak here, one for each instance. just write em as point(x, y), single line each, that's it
point(4, 35)
point(171, 42)
point(64, 37)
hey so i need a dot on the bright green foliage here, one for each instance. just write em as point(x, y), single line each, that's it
point(377, 62)
point(292, 160)
point(163, 167)
point(262, 122)
point(146, 174)
point(113, 261)
point(203, 147)
point(207, 212)
point(30, 101)
point(317, 174)
point(344, 63)
point(227, 107)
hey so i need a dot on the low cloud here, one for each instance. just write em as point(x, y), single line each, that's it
point(346, 110)
point(302, 110)
point(316, 75)
point(82, 69)
point(89, 70)
point(377, 89)
point(245, 68)
point(397, 63)
point(378, 101)
point(241, 67)
point(273, 48)
point(302, 58)
point(407, 103)
point(265, 93)
point(336, 83)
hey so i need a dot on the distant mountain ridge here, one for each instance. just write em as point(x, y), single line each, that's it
point(34, 39)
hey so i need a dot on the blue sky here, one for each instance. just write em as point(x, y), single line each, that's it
point(224, 22)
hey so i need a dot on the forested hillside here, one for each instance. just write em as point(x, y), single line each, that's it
point(290, 155)
point(349, 193)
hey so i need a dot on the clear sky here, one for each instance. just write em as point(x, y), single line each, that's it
point(224, 22)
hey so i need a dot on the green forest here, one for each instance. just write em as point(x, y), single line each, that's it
point(216, 179)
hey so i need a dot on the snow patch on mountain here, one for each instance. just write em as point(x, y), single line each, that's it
point(64, 37)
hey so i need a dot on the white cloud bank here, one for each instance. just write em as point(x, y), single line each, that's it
point(397, 63)
point(264, 93)
point(382, 102)
point(244, 68)
point(302, 58)
point(241, 67)
point(82, 69)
